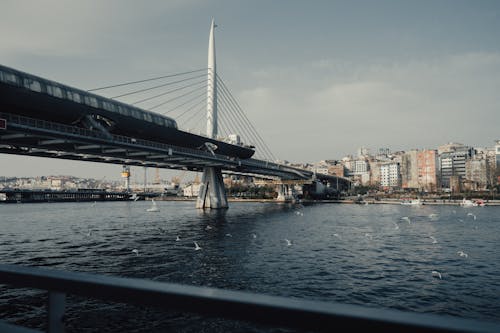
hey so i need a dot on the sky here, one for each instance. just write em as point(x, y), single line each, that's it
point(318, 79)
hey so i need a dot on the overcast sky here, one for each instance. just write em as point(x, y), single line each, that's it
point(317, 78)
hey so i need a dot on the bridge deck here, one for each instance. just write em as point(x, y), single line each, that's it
point(34, 137)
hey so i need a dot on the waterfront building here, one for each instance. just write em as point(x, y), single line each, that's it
point(452, 158)
point(497, 160)
point(427, 164)
point(363, 152)
point(360, 167)
point(191, 190)
point(337, 170)
point(409, 170)
point(390, 175)
point(477, 174)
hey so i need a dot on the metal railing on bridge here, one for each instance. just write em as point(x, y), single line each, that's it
point(269, 310)
point(78, 140)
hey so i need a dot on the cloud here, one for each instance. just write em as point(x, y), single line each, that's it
point(328, 111)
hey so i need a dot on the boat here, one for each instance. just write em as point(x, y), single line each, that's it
point(153, 207)
point(412, 202)
point(472, 203)
point(468, 203)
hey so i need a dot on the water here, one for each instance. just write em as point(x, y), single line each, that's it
point(354, 254)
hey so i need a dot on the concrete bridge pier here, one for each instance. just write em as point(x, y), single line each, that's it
point(212, 192)
point(285, 193)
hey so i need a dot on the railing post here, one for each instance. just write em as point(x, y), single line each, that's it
point(56, 307)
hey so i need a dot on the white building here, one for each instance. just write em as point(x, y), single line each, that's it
point(192, 190)
point(390, 175)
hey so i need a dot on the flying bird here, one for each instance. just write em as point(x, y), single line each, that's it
point(196, 246)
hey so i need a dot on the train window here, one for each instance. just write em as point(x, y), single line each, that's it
point(32, 85)
point(91, 101)
point(135, 113)
point(9, 78)
point(159, 120)
point(75, 96)
point(108, 106)
point(57, 92)
point(148, 117)
point(122, 110)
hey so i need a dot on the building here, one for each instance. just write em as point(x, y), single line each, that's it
point(477, 174)
point(497, 164)
point(390, 175)
point(375, 172)
point(192, 190)
point(336, 170)
point(409, 170)
point(452, 158)
point(427, 163)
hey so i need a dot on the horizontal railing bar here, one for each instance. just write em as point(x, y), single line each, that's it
point(276, 311)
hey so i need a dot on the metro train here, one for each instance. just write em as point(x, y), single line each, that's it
point(32, 96)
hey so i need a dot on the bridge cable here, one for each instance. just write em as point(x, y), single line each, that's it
point(201, 100)
point(173, 99)
point(184, 103)
point(238, 108)
point(232, 118)
point(147, 80)
point(241, 115)
point(200, 103)
point(168, 92)
point(196, 124)
point(158, 86)
point(238, 119)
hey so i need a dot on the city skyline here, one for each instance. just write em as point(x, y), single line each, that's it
point(318, 81)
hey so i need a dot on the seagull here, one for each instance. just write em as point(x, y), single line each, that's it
point(396, 226)
point(462, 254)
point(94, 203)
point(434, 240)
point(288, 242)
point(406, 218)
point(433, 216)
point(436, 274)
point(208, 227)
point(299, 213)
point(229, 235)
point(135, 251)
point(473, 216)
point(254, 236)
point(367, 235)
point(196, 246)
point(338, 236)
point(178, 239)
point(89, 233)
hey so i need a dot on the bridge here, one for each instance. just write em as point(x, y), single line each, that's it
point(26, 129)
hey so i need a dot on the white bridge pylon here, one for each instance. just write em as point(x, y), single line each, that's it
point(212, 193)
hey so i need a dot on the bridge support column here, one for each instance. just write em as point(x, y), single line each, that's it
point(212, 192)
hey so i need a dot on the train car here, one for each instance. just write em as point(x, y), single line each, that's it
point(28, 95)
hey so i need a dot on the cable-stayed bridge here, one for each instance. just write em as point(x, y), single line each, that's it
point(155, 122)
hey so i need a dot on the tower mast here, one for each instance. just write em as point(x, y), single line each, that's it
point(212, 86)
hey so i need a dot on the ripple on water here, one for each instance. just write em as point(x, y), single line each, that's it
point(392, 269)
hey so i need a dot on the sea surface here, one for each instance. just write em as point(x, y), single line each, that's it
point(380, 256)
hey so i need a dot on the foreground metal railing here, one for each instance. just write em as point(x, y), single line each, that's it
point(270, 310)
